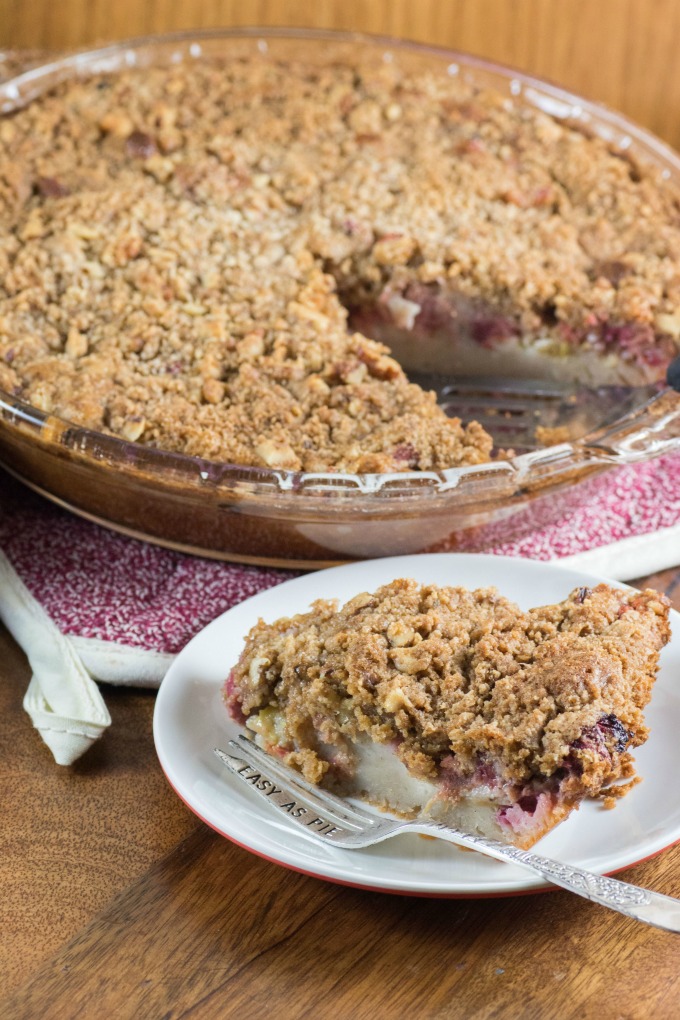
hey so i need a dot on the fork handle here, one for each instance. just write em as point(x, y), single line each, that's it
point(633, 901)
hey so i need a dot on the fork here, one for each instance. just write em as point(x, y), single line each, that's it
point(334, 820)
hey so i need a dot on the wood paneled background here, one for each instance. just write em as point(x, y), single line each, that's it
point(622, 52)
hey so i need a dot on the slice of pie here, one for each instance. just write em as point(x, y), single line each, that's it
point(456, 703)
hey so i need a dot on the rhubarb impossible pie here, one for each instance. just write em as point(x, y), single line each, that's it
point(210, 258)
point(457, 703)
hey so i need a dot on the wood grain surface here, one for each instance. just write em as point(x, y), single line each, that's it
point(621, 52)
point(73, 837)
point(118, 903)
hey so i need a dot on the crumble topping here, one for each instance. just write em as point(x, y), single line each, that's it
point(461, 681)
point(179, 247)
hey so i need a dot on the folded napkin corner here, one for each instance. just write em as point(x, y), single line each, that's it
point(62, 700)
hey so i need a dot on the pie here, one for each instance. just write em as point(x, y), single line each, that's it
point(457, 704)
point(240, 259)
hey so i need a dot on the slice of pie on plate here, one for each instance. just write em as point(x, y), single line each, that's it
point(457, 703)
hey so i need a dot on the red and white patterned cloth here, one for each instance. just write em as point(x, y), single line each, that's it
point(86, 602)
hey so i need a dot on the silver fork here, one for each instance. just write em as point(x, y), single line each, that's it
point(334, 820)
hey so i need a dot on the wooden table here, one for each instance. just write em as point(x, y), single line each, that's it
point(116, 902)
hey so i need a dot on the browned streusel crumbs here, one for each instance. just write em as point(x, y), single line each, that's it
point(446, 670)
point(167, 236)
point(613, 794)
point(551, 435)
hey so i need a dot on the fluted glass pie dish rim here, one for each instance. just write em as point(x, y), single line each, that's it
point(36, 446)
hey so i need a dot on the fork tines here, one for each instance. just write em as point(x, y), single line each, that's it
point(261, 767)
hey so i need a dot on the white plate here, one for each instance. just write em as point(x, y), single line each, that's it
point(190, 720)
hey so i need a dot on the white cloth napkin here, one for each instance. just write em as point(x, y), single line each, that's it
point(62, 700)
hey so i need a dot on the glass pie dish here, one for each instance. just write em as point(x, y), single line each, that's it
point(297, 519)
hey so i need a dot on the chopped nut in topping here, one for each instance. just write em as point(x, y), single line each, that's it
point(117, 123)
point(133, 429)
point(76, 344)
point(213, 391)
point(277, 455)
